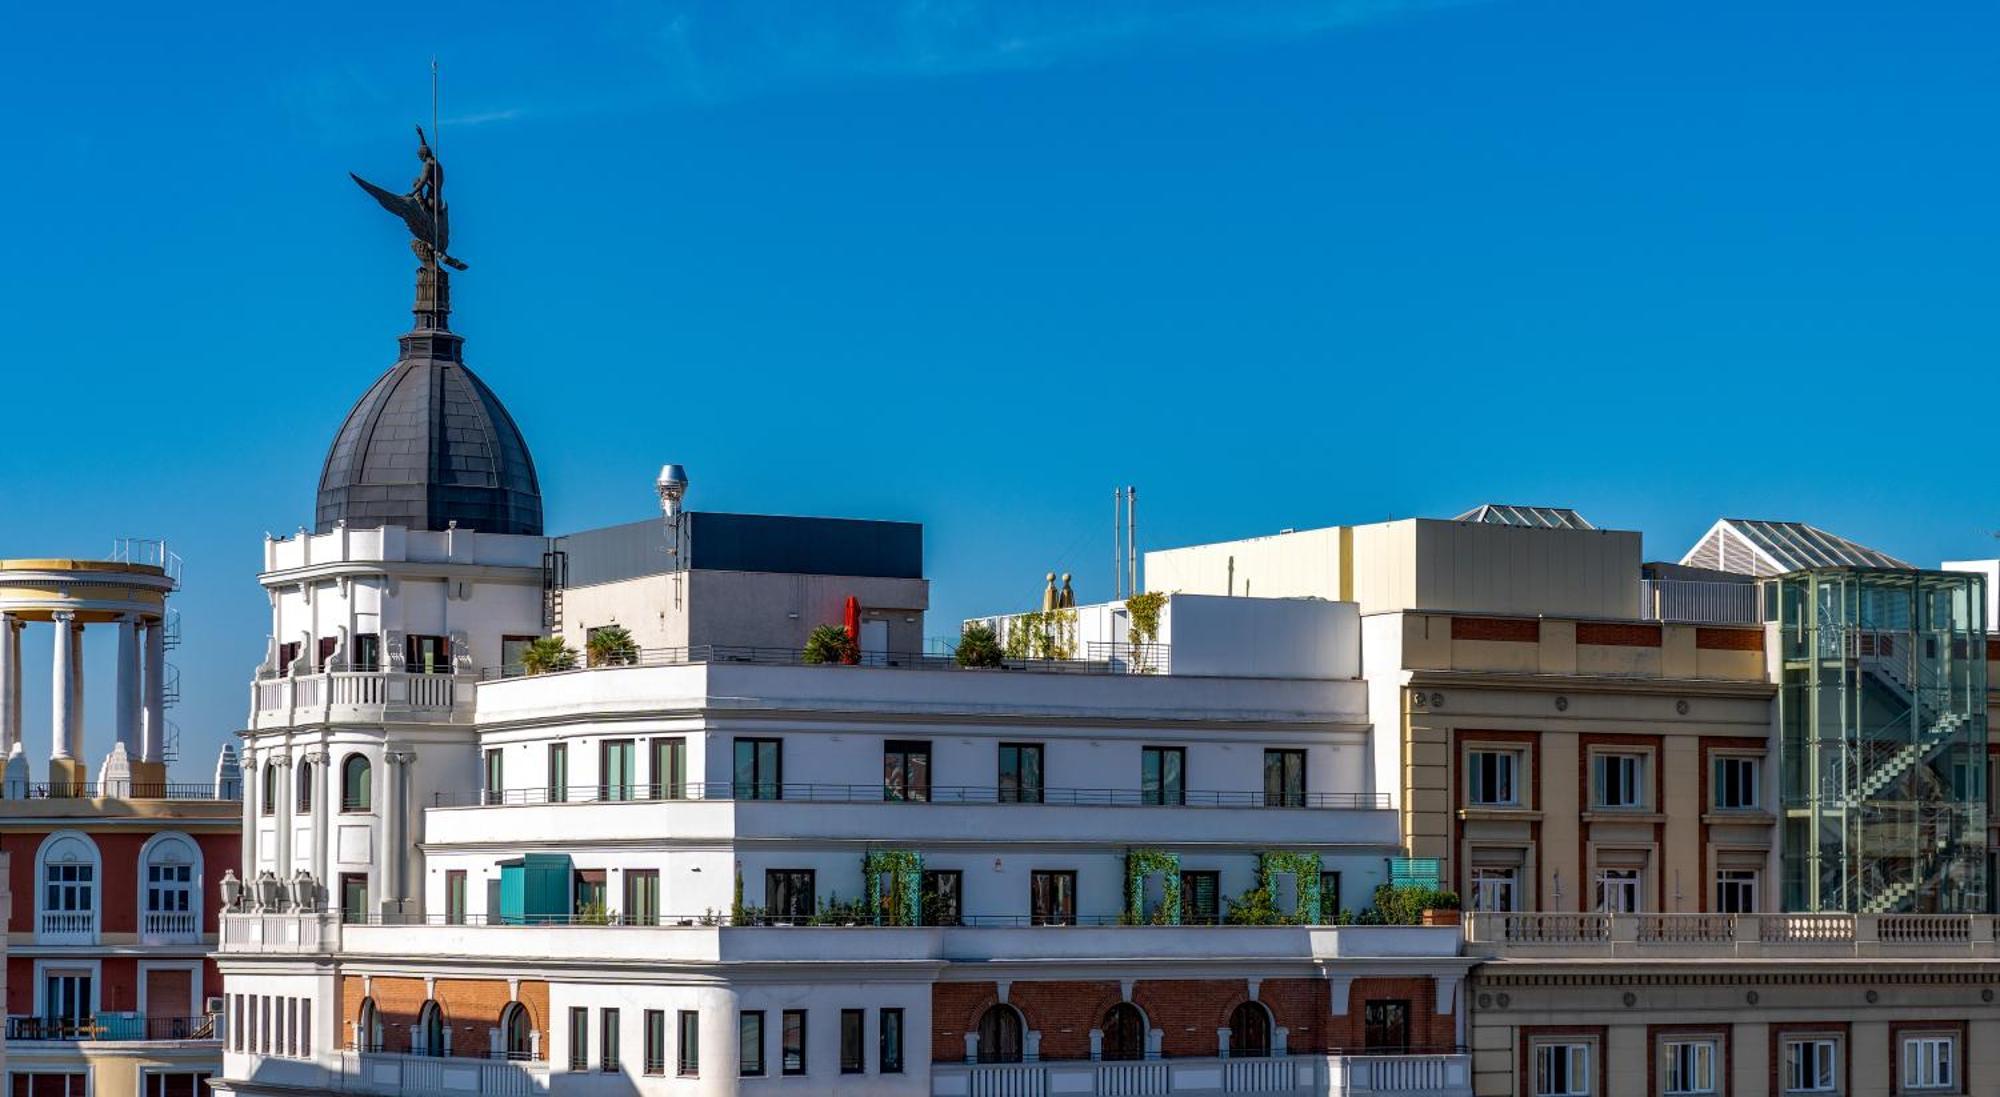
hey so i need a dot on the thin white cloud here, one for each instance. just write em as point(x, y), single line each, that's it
point(483, 118)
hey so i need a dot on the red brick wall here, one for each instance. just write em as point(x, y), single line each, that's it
point(20, 985)
point(118, 890)
point(118, 987)
point(1516, 629)
point(471, 1007)
point(1730, 639)
point(1618, 635)
point(220, 852)
point(21, 847)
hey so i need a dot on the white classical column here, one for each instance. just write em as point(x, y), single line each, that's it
point(10, 683)
point(395, 823)
point(323, 785)
point(252, 787)
point(128, 685)
point(62, 686)
point(76, 693)
point(154, 739)
point(281, 857)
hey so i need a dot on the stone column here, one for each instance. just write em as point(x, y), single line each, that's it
point(10, 683)
point(64, 718)
point(324, 782)
point(251, 789)
point(76, 696)
point(282, 817)
point(155, 699)
point(128, 685)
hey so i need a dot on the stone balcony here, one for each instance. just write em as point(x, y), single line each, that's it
point(361, 697)
point(1404, 1075)
point(1561, 936)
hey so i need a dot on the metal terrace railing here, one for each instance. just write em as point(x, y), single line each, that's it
point(1099, 658)
point(134, 790)
point(933, 794)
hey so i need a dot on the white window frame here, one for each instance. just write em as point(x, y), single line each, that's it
point(1727, 879)
point(1489, 880)
point(1699, 1056)
point(1719, 763)
point(1478, 758)
point(176, 849)
point(1825, 1056)
point(1575, 1059)
point(1630, 768)
point(1930, 1062)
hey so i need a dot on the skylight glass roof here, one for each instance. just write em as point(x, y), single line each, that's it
point(1502, 514)
point(1795, 545)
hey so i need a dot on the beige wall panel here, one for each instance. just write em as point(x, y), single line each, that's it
point(1497, 655)
point(1869, 1057)
point(1557, 771)
point(1305, 564)
point(1619, 660)
point(1625, 1061)
point(1750, 1062)
point(1677, 651)
point(1558, 654)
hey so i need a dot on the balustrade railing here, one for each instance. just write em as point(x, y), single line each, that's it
point(68, 923)
point(813, 792)
point(170, 923)
point(1955, 934)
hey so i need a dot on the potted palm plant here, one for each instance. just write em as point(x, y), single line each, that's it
point(611, 646)
point(547, 655)
point(828, 644)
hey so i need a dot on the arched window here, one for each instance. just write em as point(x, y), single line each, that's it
point(66, 870)
point(267, 792)
point(1124, 1031)
point(170, 886)
point(516, 1034)
point(430, 1031)
point(357, 784)
point(302, 798)
point(1000, 1035)
point(1249, 1031)
point(368, 1027)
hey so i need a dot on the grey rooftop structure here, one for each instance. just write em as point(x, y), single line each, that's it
point(1751, 547)
point(1502, 514)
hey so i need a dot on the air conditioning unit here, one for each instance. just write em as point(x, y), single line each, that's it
point(212, 1004)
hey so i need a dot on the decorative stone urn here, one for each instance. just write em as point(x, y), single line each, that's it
point(232, 890)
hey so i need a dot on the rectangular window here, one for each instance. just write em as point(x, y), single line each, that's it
point(688, 1064)
point(513, 655)
point(1618, 890)
point(1618, 779)
point(792, 1042)
point(789, 894)
point(69, 888)
point(1736, 891)
point(1052, 898)
point(617, 769)
point(558, 788)
point(642, 897)
point(1493, 889)
point(1930, 1062)
point(496, 786)
point(1329, 895)
point(1736, 780)
point(1811, 1066)
point(170, 889)
point(906, 770)
point(587, 899)
point(1162, 775)
point(1386, 1026)
point(1285, 778)
point(353, 897)
point(941, 897)
point(670, 778)
point(607, 1041)
point(454, 897)
point(890, 1057)
point(1020, 773)
point(579, 1038)
point(427, 654)
point(306, 1027)
point(367, 651)
point(656, 1041)
point(286, 654)
point(1490, 778)
point(759, 766)
point(236, 1023)
point(1690, 1067)
point(1199, 898)
point(853, 1037)
point(750, 1043)
point(1562, 1070)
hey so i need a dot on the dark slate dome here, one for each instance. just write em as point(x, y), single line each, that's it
point(427, 445)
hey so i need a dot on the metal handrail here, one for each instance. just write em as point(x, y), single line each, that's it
point(1153, 656)
point(814, 792)
point(137, 790)
point(722, 919)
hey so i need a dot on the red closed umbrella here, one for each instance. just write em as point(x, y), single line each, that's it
point(853, 624)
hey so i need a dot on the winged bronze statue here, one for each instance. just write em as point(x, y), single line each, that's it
point(423, 208)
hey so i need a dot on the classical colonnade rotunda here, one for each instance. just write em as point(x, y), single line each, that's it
point(127, 592)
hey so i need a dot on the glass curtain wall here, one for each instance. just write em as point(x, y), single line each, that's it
point(1882, 714)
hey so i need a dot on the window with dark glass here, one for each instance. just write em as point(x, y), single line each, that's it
point(617, 769)
point(1285, 778)
point(1329, 895)
point(354, 897)
point(558, 790)
point(588, 891)
point(1249, 1031)
point(750, 1043)
point(642, 897)
point(367, 651)
point(1162, 775)
point(1020, 773)
point(792, 1042)
point(941, 893)
point(496, 787)
point(327, 646)
point(1200, 898)
point(1124, 1030)
point(758, 770)
point(427, 654)
point(670, 777)
point(268, 794)
point(889, 1057)
point(579, 1039)
point(302, 788)
point(454, 897)
point(789, 894)
point(357, 784)
point(513, 655)
point(853, 1037)
point(656, 1041)
point(1052, 898)
point(906, 770)
point(688, 1064)
point(999, 1035)
point(1386, 1025)
point(607, 1041)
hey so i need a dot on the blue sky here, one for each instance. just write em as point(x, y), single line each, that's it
point(1279, 264)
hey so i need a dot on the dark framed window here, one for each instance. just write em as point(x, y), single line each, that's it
point(588, 890)
point(1052, 898)
point(513, 652)
point(889, 1055)
point(792, 1042)
point(759, 770)
point(327, 646)
point(617, 769)
point(642, 897)
point(427, 654)
point(1000, 1035)
point(268, 792)
point(496, 770)
point(688, 1063)
point(670, 778)
point(656, 1041)
point(1020, 779)
point(942, 894)
point(454, 897)
point(607, 1041)
point(853, 1038)
point(1249, 1031)
point(302, 795)
point(1124, 1029)
point(558, 790)
point(1162, 775)
point(1386, 1025)
point(789, 894)
point(357, 784)
point(750, 1043)
point(354, 896)
point(579, 1038)
point(517, 1040)
point(1201, 898)
point(1285, 778)
point(1329, 895)
point(906, 770)
point(287, 654)
point(367, 651)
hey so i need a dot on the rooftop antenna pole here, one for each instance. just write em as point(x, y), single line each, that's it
point(1117, 546)
point(1132, 539)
